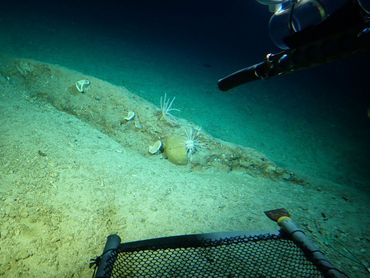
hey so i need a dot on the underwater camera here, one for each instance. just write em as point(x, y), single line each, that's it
point(309, 33)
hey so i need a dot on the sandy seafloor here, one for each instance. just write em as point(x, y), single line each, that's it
point(66, 184)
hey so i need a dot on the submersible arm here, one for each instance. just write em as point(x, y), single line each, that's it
point(315, 53)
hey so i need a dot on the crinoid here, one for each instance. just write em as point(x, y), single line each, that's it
point(192, 143)
point(166, 109)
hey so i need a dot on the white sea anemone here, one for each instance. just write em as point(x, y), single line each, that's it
point(192, 143)
point(167, 108)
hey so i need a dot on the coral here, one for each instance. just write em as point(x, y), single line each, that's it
point(167, 108)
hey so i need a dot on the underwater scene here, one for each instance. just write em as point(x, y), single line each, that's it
point(112, 121)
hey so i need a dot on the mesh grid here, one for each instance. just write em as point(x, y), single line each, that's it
point(248, 256)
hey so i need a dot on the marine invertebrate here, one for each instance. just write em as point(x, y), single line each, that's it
point(192, 143)
point(82, 85)
point(137, 122)
point(130, 116)
point(166, 105)
point(156, 148)
point(179, 149)
point(175, 150)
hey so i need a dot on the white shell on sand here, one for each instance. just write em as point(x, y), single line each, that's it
point(156, 147)
point(130, 116)
point(82, 85)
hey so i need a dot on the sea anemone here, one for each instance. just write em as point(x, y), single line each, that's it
point(192, 143)
point(167, 108)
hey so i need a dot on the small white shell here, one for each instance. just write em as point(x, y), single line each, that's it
point(82, 85)
point(156, 147)
point(130, 116)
